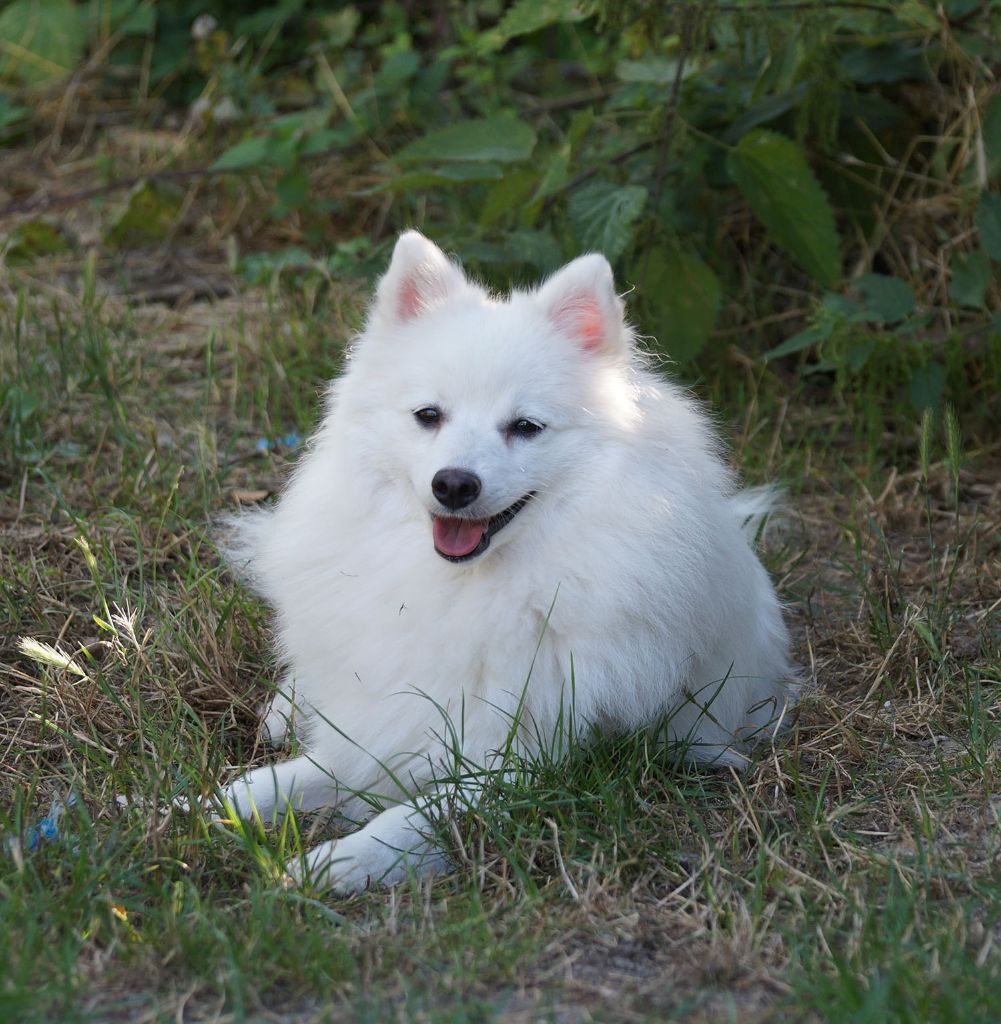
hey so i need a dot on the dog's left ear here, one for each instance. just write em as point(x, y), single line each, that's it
point(420, 277)
point(581, 303)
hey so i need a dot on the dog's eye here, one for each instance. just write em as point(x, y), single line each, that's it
point(428, 416)
point(525, 427)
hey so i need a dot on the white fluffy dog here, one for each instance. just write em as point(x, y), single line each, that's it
point(503, 511)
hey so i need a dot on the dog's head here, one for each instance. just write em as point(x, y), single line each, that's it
point(485, 409)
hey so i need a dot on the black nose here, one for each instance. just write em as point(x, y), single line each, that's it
point(455, 488)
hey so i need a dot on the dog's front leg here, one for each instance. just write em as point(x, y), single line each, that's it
point(272, 790)
point(394, 843)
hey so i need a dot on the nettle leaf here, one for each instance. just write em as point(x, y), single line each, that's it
point(147, 216)
point(772, 174)
point(888, 299)
point(34, 239)
point(770, 108)
point(501, 139)
point(539, 248)
point(988, 221)
point(684, 300)
point(437, 177)
point(527, 16)
point(250, 152)
point(798, 342)
point(292, 189)
point(884, 62)
point(971, 277)
point(40, 40)
point(136, 20)
point(510, 194)
point(602, 216)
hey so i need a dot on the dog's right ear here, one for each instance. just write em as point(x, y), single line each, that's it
point(581, 303)
point(420, 277)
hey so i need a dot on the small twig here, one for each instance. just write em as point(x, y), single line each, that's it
point(571, 888)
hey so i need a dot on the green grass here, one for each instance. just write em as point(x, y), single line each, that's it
point(852, 874)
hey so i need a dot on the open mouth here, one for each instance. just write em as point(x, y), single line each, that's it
point(458, 540)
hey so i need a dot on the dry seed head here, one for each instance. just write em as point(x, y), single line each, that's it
point(46, 654)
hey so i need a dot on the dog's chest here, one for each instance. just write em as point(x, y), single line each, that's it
point(441, 632)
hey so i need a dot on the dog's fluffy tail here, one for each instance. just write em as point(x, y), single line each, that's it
point(753, 506)
point(240, 538)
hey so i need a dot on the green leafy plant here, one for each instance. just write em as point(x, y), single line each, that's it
point(806, 178)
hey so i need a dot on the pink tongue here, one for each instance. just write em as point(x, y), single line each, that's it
point(458, 537)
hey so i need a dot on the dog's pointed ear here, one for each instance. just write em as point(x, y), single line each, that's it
point(420, 277)
point(581, 303)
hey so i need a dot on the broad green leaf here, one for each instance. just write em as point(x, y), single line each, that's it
point(971, 277)
point(33, 239)
point(835, 308)
point(885, 62)
point(148, 215)
point(501, 139)
point(602, 216)
point(768, 109)
point(40, 40)
point(803, 340)
point(444, 176)
point(509, 194)
point(260, 267)
point(988, 221)
point(580, 125)
point(396, 71)
point(920, 15)
point(778, 184)
point(130, 18)
point(684, 299)
point(527, 16)
point(539, 248)
point(654, 69)
point(340, 26)
point(916, 323)
point(267, 18)
point(555, 172)
point(859, 354)
point(317, 141)
point(252, 152)
point(292, 189)
point(888, 299)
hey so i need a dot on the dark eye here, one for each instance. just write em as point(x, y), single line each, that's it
point(428, 416)
point(525, 427)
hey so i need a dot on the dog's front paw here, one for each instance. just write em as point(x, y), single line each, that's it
point(340, 865)
point(382, 853)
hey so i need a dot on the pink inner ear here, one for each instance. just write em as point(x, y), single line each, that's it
point(408, 302)
point(580, 315)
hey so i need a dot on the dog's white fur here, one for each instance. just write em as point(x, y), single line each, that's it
point(629, 577)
